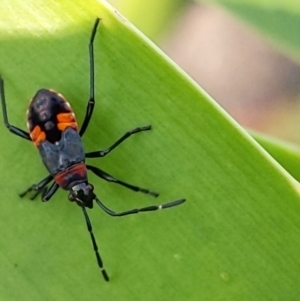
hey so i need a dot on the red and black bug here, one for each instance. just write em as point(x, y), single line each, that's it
point(54, 131)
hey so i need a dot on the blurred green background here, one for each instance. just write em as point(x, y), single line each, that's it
point(244, 53)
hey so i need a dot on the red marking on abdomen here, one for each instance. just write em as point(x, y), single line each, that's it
point(75, 173)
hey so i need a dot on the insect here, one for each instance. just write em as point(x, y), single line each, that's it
point(54, 131)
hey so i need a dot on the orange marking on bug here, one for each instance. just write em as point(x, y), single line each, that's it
point(66, 120)
point(63, 126)
point(37, 135)
point(66, 117)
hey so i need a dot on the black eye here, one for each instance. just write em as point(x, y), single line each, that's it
point(90, 187)
point(72, 197)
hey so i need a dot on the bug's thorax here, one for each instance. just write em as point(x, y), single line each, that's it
point(48, 115)
point(65, 159)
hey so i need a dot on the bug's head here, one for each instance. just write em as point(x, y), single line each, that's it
point(82, 194)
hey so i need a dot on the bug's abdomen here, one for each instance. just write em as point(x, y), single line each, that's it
point(49, 114)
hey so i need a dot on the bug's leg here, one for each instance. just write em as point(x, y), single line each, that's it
point(102, 153)
point(102, 174)
point(39, 188)
point(90, 229)
point(46, 196)
point(91, 102)
point(10, 127)
point(144, 209)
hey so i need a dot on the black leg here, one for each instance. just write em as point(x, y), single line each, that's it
point(99, 260)
point(102, 153)
point(50, 192)
point(91, 102)
point(102, 174)
point(144, 209)
point(11, 128)
point(39, 188)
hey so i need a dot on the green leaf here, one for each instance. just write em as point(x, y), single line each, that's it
point(236, 238)
point(285, 153)
point(277, 20)
point(154, 18)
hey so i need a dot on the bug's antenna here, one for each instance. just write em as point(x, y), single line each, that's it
point(138, 210)
point(90, 229)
